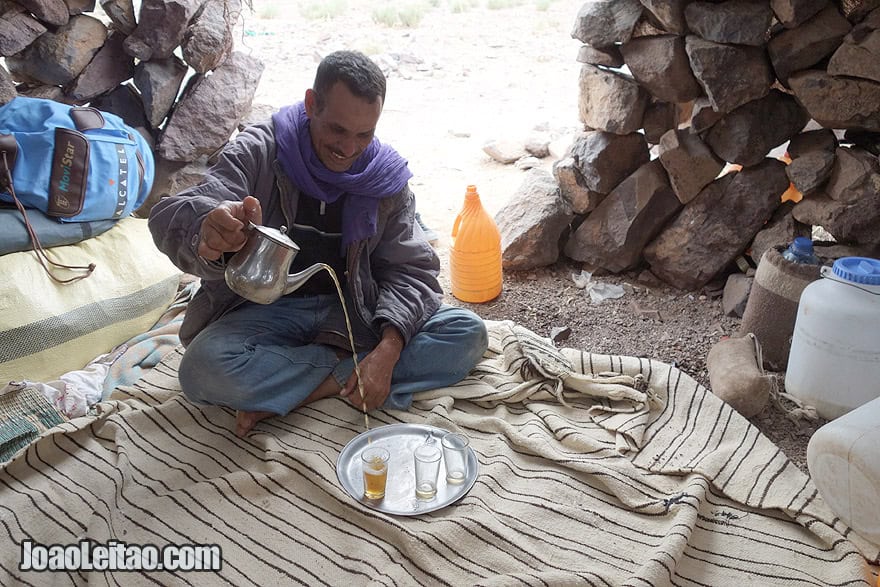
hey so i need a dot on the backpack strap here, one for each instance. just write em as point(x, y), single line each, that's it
point(8, 153)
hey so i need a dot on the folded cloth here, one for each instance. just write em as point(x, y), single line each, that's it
point(73, 393)
point(530, 368)
point(144, 351)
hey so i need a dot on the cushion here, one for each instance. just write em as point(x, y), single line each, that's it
point(48, 329)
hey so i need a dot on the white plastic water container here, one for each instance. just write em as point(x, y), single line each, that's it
point(844, 464)
point(834, 362)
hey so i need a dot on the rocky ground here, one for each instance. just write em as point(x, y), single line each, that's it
point(475, 71)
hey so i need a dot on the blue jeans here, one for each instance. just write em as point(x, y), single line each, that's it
point(262, 358)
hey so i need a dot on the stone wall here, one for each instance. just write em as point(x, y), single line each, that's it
point(169, 71)
point(685, 105)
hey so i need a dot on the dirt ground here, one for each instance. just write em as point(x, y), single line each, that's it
point(458, 80)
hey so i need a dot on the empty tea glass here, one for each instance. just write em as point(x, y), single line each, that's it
point(455, 456)
point(374, 462)
point(427, 461)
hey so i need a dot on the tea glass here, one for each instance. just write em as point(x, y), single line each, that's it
point(455, 456)
point(374, 463)
point(427, 462)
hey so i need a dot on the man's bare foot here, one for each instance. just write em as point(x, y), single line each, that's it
point(244, 421)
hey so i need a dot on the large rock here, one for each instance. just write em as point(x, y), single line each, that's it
point(601, 23)
point(747, 134)
point(44, 92)
point(210, 108)
point(856, 10)
point(848, 222)
point(125, 102)
point(838, 102)
point(573, 188)
point(667, 14)
point(661, 65)
point(690, 164)
point(7, 87)
point(56, 58)
point(736, 294)
point(208, 41)
point(161, 27)
point(660, 117)
point(610, 101)
point(18, 29)
point(110, 67)
point(820, 139)
point(717, 226)
point(869, 141)
point(735, 22)
point(809, 172)
point(615, 233)
point(797, 49)
point(605, 159)
point(121, 14)
point(608, 56)
point(532, 222)
point(171, 178)
point(79, 6)
point(855, 174)
point(859, 54)
point(792, 13)
point(647, 27)
point(703, 116)
point(505, 150)
point(53, 12)
point(731, 75)
point(159, 82)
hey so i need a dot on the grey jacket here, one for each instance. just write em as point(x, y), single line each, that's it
point(391, 277)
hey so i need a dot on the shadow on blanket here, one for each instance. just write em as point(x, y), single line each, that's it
point(594, 470)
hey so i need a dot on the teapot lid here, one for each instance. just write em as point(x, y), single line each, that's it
point(276, 235)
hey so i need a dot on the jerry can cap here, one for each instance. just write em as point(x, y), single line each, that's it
point(858, 270)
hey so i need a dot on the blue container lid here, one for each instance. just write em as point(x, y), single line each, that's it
point(802, 245)
point(858, 270)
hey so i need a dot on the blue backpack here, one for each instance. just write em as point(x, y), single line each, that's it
point(74, 163)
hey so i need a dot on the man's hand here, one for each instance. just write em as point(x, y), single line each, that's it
point(376, 369)
point(223, 229)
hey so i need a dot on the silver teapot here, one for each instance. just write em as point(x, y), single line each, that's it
point(260, 270)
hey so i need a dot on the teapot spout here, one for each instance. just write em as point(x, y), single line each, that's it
point(296, 280)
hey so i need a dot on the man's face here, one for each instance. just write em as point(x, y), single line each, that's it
point(343, 128)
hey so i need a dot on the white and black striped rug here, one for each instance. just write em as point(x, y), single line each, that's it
point(661, 485)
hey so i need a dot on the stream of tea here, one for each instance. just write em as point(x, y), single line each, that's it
point(357, 370)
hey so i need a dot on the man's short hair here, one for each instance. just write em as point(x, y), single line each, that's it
point(360, 74)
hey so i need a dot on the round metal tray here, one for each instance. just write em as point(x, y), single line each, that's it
point(400, 490)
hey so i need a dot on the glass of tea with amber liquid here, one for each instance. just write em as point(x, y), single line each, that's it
point(374, 461)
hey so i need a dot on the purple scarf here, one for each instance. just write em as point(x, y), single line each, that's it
point(378, 173)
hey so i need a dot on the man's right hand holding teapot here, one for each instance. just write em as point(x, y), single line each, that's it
point(224, 228)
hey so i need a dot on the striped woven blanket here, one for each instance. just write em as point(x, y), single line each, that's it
point(594, 470)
